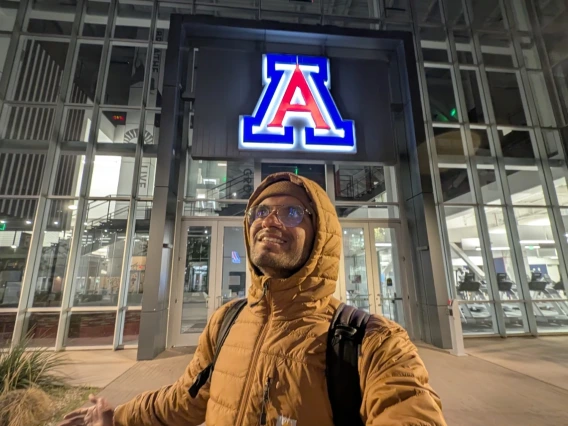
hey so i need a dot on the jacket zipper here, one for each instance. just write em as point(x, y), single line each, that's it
point(265, 399)
point(254, 359)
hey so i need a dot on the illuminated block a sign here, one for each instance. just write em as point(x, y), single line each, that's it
point(296, 111)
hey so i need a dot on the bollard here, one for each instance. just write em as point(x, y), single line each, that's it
point(458, 348)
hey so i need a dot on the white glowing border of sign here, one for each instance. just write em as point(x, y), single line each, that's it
point(299, 120)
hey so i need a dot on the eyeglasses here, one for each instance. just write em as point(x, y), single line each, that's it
point(289, 216)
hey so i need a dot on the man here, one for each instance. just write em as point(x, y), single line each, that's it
point(271, 369)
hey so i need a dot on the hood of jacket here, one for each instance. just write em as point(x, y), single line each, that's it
point(311, 288)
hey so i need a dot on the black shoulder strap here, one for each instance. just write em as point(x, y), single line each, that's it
point(228, 321)
point(344, 339)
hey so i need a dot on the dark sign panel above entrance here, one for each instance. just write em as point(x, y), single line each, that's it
point(290, 96)
point(296, 111)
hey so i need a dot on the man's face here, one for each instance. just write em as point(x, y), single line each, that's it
point(278, 251)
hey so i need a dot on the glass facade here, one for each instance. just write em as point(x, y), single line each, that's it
point(81, 99)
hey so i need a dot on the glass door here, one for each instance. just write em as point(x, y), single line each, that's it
point(370, 277)
point(211, 271)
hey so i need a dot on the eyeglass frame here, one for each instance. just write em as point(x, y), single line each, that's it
point(275, 208)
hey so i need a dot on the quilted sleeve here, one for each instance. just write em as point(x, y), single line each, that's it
point(394, 380)
point(172, 405)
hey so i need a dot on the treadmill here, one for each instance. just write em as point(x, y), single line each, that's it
point(473, 314)
point(547, 312)
point(508, 291)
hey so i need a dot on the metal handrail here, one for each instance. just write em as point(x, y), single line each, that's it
point(247, 174)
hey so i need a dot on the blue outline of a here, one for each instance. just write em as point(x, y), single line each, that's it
point(274, 76)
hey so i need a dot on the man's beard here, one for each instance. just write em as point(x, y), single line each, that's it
point(281, 265)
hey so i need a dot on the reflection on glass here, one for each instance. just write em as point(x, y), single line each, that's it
point(525, 184)
point(125, 76)
point(214, 208)
point(490, 190)
point(77, 125)
point(455, 185)
point(41, 328)
point(131, 328)
point(152, 132)
point(112, 175)
point(96, 18)
point(477, 317)
point(7, 321)
point(496, 50)
point(16, 217)
point(41, 70)
point(234, 265)
point(69, 175)
point(157, 78)
point(507, 281)
point(86, 73)
point(60, 12)
point(196, 281)
point(367, 212)
point(315, 172)
point(363, 183)
point(139, 254)
point(448, 141)
point(55, 252)
point(20, 174)
point(133, 20)
point(472, 98)
point(29, 123)
point(506, 98)
point(98, 276)
point(386, 252)
point(90, 329)
point(356, 285)
point(441, 94)
point(515, 143)
point(220, 180)
point(464, 47)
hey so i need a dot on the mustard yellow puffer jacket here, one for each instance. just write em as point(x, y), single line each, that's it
point(277, 348)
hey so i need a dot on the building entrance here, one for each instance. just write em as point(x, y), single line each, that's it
point(212, 270)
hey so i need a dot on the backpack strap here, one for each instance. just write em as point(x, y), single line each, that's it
point(228, 321)
point(344, 340)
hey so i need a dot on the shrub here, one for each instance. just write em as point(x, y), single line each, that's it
point(21, 369)
point(25, 407)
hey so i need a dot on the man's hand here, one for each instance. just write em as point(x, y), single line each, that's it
point(100, 414)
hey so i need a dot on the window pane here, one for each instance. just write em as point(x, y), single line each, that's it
point(356, 285)
point(20, 174)
point(125, 76)
point(196, 287)
point(77, 125)
point(10, 10)
point(87, 65)
point(472, 98)
point(40, 71)
point(96, 18)
point(69, 175)
point(16, 220)
point(525, 185)
point(152, 132)
point(157, 78)
point(315, 172)
point(490, 190)
point(112, 175)
point(118, 126)
point(542, 99)
point(7, 322)
point(213, 208)
point(553, 144)
point(434, 43)
point(506, 98)
point(496, 50)
point(367, 212)
point(131, 328)
point(163, 23)
point(90, 329)
point(455, 185)
point(559, 176)
point(220, 179)
point(147, 176)
point(55, 252)
point(516, 143)
point(441, 93)
point(42, 10)
point(98, 277)
point(464, 47)
point(139, 253)
point(233, 282)
point(27, 123)
point(487, 15)
point(398, 10)
point(448, 141)
point(133, 20)
point(361, 183)
point(42, 328)
point(429, 12)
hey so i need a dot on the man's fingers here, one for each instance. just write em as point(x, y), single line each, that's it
point(93, 398)
point(77, 413)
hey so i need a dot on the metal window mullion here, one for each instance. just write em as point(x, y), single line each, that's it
point(471, 167)
point(545, 173)
point(432, 154)
point(500, 172)
point(82, 203)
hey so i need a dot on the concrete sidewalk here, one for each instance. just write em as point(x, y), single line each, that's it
point(504, 382)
